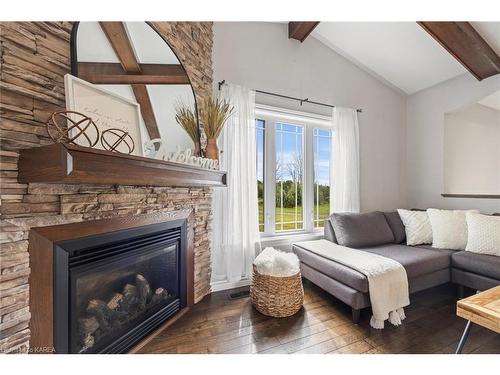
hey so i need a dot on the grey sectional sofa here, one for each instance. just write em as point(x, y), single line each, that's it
point(384, 234)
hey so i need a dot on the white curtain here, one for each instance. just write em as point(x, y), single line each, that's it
point(235, 209)
point(344, 161)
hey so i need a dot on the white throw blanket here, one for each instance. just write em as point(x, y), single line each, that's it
point(387, 279)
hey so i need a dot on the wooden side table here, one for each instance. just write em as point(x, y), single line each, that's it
point(482, 309)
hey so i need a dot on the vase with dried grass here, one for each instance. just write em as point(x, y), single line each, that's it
point(186, 118)
point(214, 115)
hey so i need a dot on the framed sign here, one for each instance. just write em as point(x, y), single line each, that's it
point(108, 110)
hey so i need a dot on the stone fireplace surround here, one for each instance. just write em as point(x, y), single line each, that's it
point(35, 58)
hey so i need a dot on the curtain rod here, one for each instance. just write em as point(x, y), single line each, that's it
point(306, 100)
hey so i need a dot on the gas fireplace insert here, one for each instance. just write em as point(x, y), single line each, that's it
point(112, 289)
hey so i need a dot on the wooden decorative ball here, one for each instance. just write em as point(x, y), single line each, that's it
point(69, 126)
point(112, 138)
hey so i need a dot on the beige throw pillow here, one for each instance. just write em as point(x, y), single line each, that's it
point(483, 234)
point(449, 228)
point(417, 227)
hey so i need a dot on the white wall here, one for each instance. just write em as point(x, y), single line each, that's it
point(472, 151)
point(260, 56)
point(425, 138)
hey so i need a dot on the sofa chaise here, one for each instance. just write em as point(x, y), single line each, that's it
point(384, 234)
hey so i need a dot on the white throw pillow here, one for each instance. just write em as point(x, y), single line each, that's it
point(449, 228)
point(417, 227)
point(483, 234)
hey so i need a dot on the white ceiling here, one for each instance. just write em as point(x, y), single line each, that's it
point(490, 31)
point(492, 101)
point(149, 47)
point(401, 54)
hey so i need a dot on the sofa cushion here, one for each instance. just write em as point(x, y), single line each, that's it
point(396, 225)
point(332, 269)
point(329, 233)
point(361, 230)
point(472, 280)
point(416, 261)
point(486, 265)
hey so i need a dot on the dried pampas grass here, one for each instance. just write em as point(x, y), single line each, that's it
point(215, 113)
point(186, 118)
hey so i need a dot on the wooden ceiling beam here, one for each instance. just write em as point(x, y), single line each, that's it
point(151, 74)
point(464, 43)
point(117, 36)
point(300, 30)
point(148, 115)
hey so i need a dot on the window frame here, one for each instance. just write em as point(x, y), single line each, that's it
point(303, 182)
point(264, 178)
point(315, 229)
point(272, 115)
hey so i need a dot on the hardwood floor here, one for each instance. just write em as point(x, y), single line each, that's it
point(221, 325)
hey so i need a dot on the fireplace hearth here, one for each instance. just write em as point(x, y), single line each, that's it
point(111, 289)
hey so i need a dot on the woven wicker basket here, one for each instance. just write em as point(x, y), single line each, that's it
point(277, 296)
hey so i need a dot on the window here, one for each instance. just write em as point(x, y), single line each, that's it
point(293, 170)
point(289, 177)
point(322, 146)
point(260, 127)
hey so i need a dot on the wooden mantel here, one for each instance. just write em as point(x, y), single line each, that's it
point(71, 164)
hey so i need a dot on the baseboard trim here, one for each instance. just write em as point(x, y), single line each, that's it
point(225, 285)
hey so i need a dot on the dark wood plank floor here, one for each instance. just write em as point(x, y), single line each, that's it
point(220, 325)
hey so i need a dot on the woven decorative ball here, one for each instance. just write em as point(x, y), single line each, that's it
point(117, 140)
point(277, 296)
point(70, 126)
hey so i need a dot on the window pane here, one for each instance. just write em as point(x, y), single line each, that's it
point(322, 147)
point(289, 177)
point(260, 126)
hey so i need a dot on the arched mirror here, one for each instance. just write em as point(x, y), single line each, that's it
point(132, 60)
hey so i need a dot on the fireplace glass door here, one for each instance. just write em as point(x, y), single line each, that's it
point(110, 299)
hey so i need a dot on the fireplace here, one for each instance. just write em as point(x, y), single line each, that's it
point(112, 288)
